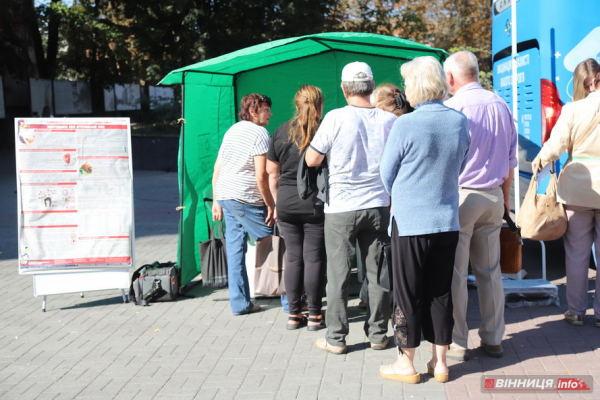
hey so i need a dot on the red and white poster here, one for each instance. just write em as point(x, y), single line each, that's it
point(75, 193)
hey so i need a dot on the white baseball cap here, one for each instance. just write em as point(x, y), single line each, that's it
point(357, 72)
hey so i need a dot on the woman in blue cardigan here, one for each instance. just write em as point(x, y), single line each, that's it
point(423, 157)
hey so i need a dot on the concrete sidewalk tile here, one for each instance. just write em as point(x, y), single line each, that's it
point(290, 392)
point(260, 394)
point(128, 394)
point(371, 390)
point(208, 394)
point(225, 393)
point(531, 366)
point(160, 396)
point(329, 394)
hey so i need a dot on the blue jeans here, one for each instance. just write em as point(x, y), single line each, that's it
point(241, 220)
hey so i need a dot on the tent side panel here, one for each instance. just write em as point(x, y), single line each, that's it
point(208, 113)
point(281, 81)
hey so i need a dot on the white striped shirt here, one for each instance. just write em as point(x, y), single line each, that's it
point(237, 178)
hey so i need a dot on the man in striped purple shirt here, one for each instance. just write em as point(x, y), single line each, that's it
point(484, 188)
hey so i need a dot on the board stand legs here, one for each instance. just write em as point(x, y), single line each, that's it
point(122, 295)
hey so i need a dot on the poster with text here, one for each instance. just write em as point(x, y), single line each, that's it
point(75, 193)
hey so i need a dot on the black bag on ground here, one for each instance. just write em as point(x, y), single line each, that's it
point(154, 282)
point(213, 259)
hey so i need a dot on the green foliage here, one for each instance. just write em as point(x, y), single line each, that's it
point(228, 25)
point(486, 80)
point(125, 41)
point(385, 17)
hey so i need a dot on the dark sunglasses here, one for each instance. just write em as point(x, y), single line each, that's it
point(264, 99)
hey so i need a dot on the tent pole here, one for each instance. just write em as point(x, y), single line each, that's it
point(181, 172)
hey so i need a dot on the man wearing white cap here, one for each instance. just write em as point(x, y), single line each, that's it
point(353, 138)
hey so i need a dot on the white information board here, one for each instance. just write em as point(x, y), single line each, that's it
point(79, 281)
point(2, 111)
point(75, 194)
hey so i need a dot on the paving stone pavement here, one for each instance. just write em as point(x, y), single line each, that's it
point(96, 347)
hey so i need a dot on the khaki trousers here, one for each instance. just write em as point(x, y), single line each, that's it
point(480, 214)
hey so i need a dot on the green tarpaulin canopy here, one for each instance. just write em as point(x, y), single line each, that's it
point(212, 90)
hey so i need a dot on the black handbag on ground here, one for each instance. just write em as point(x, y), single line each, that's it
point(213, 259)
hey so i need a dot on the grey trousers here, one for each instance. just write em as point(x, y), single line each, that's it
point(343, 230)
point(583, 230)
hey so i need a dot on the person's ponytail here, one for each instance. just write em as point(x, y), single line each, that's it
point(304, 125)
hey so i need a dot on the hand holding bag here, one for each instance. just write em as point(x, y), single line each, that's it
point(213, 259)
point(511, 246)
point(541, 216)
point(270, 265)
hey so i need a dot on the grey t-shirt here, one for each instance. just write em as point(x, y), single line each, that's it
point(353, 139)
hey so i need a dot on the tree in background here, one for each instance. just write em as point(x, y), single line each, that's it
point(398, 18)
point(163, 35)
point(25, 29)
point(444, 24)
point(229, 25)
point(458, 24)
point(13, 54)
point(124, 41)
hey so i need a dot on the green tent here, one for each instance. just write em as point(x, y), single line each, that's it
point(212, 91)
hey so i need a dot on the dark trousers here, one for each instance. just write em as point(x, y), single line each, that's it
point(422, 268)
point(343, 232)
point(305, 264)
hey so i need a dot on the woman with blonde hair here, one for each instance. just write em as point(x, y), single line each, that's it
point(577, 133)
point(584, 75)
point(388, 97)
point(423, 157)
point(301, 225)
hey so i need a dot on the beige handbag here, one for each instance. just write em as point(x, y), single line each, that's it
point(541, 216)
point(270, 265)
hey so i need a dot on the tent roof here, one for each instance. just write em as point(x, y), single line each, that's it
point(304, 46)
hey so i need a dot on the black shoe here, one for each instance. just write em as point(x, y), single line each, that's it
point(301, 323)
point(313, 328)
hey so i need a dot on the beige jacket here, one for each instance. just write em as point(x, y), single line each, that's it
point(579, 181)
